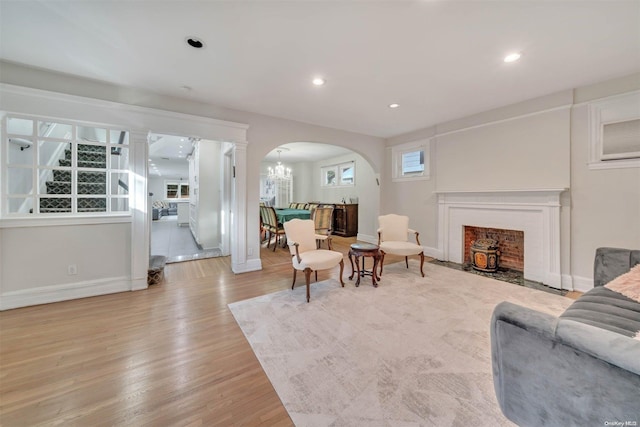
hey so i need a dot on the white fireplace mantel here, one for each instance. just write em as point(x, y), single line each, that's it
point(535, 212)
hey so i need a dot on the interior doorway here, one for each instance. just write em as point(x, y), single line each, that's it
point(184, 186)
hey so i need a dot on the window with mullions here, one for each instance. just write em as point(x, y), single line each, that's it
point(64, 168)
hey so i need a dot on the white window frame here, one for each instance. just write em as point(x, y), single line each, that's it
point(611, 110)
point(338, 170)
point(35, 167)
point(180, 185)
point(397, 153)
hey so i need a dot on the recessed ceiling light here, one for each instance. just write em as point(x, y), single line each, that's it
point(195, 42)
point(512, 57)
point(394, 105)
point(319, 81)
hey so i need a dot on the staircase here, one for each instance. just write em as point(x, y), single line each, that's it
point(89, 183)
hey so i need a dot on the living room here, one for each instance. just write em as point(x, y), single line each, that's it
point(538, 149)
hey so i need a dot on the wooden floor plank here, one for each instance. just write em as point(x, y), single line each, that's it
point(169, 355)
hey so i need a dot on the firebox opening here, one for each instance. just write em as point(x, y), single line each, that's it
point(510, 244)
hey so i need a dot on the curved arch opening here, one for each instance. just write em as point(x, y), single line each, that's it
point(321, 173)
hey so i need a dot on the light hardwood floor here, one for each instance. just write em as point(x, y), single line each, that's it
point(169, 355)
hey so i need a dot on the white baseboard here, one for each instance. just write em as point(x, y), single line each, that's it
point(433, 252)
point(567, 282)
point(64, 292)
point(250, 265)
point(582, 284)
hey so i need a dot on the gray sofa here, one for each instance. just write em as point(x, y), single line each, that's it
point(168, 208)
point(579, 369)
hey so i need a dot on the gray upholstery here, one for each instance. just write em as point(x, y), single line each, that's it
point(612, 262)
point(579, 369)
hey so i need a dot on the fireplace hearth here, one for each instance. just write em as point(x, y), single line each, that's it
point(503, 274)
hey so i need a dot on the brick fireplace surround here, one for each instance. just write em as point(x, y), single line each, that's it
point(536, 213)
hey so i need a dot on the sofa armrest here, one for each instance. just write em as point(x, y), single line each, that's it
point(525, 318)
point(611, 347)
point(546, 372)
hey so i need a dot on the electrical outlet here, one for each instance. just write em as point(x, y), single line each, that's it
point(72, 270)
point(250, 251)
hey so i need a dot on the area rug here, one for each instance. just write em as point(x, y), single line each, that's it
point(413, 352)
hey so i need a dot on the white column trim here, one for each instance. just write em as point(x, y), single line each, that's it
point(139, 201)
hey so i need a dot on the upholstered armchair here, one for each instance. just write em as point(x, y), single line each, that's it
point(393, 238)
point(305, 256)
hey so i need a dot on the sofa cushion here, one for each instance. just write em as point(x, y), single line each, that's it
point(606, 309)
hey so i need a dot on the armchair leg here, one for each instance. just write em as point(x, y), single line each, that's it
point(406, 261)
point(316, 275)
point(307, 276)
point(341, 270)
point(421, 262)
point(381, 261)
point(294, 278)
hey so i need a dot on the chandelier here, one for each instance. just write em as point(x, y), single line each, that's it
point(279, 172)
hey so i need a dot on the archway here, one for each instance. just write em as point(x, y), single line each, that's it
point(356, 181)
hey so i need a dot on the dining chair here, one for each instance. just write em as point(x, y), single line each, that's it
point(271, 225)
point(323, 221)
point(305, 256)
point(393, 239)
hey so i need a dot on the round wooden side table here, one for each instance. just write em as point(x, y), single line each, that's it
point(364, 250)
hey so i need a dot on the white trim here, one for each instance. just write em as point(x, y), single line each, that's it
point(64, 292)
point(582, 284)
point(613, 109)
point(138, 193)
point(254, 264)
point(567, 282)
point(100, 103)
point(238, 232)
point(536, 212)
point(423, 145)
point(433, 252)
point(63, 221)
point(509, 119)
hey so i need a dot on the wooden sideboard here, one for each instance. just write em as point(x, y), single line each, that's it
point(345, 219)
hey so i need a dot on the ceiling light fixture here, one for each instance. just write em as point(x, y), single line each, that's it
point(319, 81)
point(394, 105)
point(512, 57)
point(280, 172)
point(195, 42)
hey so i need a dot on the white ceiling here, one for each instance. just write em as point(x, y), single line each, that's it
point(439, 60)
point(168, 154)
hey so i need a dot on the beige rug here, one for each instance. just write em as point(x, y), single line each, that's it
point(413, 352)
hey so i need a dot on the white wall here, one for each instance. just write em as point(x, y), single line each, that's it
point(156, 186)
point(520, 154)
point(365, 189)
point(307, 188)
point(540, 143)
point(209, 197)
point(606, 202)
point(35, 262)
point(264, 134)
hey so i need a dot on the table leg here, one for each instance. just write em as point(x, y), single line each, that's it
point(374, 275)
point(351, 261)
point(358, 266)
